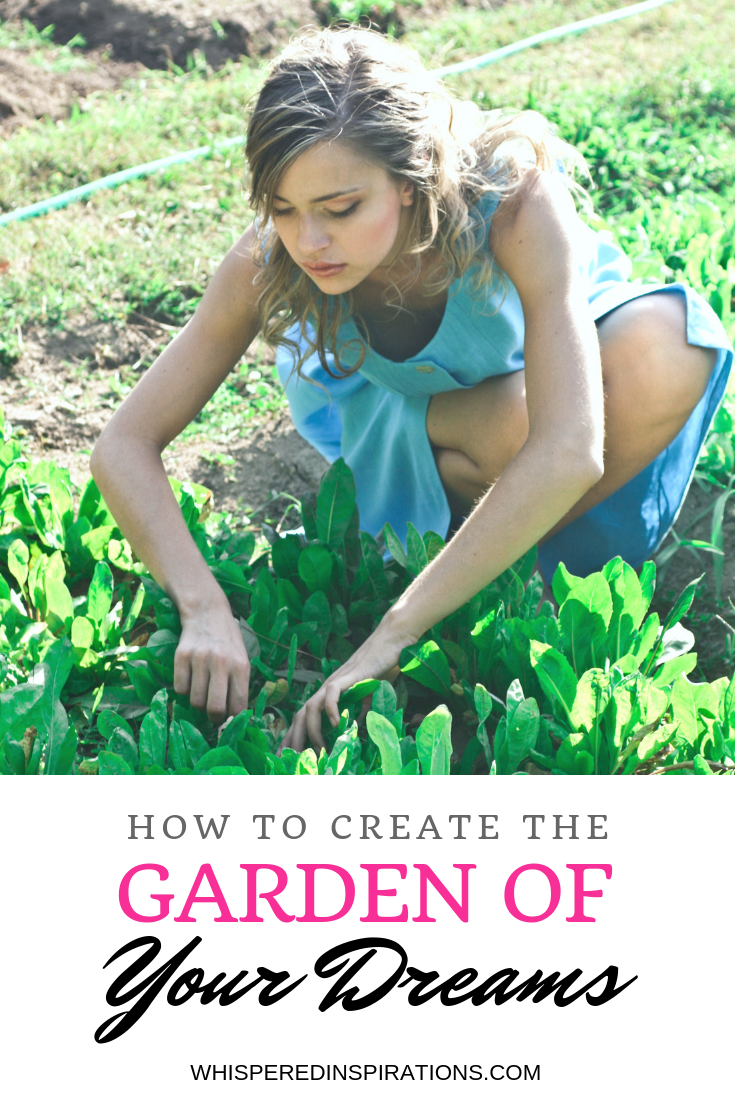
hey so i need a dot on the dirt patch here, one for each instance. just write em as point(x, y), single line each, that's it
point(158, 32)
point(124, 36)
point(28, 92)
point(270, 465)
point(65, 387)
point(707, 619)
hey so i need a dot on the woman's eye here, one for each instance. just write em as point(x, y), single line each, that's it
point(344, 213)
point(279, 213)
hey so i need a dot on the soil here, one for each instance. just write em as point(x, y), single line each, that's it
point(64, 388)
point(27, 92)
point(126, 36)
point(159, 32)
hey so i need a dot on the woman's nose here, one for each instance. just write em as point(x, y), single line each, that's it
point(312, 235)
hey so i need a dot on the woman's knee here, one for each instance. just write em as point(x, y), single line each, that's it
point(487, 424)
point(647, 363)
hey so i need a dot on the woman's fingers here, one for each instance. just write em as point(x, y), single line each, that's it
point(237, 696)
point(296, 735)
point(377, 657)
point(333, 691)
point(182, 672)
point(313, 709)
point(199, 691)
point(211, 666)
point(217, 694)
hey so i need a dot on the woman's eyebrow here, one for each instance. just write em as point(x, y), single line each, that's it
point(324, 198)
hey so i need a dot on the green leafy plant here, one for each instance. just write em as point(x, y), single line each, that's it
point(506, 684)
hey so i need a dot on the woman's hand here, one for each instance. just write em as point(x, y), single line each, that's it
point(377, 657)
point(211, 664)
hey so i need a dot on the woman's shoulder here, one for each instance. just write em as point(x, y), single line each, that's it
point(536, 228)
point(229, 306)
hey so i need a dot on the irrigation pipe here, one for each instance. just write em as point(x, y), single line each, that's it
point(549, 36)
point(57, 202)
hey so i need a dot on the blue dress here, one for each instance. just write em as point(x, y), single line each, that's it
point(376, 418)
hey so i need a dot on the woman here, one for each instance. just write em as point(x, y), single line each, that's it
point(446, 322)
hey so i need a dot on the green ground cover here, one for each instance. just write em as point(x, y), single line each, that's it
point(87, 638)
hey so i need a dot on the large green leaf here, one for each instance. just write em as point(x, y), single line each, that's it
point(384, 700)
point(19, 709)
point(574, 757)
point(99, 597)
point(61, 742)
point(315, 567)
point(483, 633)
point(59, 608)
point(383, 734)
point(53, 672)
point(358, 692)
point(684, 708)
point(591, 699)
point(112, 765)
point(520, 734)
point(434, 742)
point(416, 557)
point(668, 672)
point(18, 556)
point(12, 758)
point(285, 556)
point(629, 606)
point(196, 745)
point(317, 612)
point(335, 503)
point(584, 618)
point(153, 732)
point(648, 581)
point(221, 756)
point(374, 567)
point(428, 665)
point(178, 753)
point(394, 545)
point(556, 677)
point(231, 577)
point(562, 583)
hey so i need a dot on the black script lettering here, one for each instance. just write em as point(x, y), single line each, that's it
point(226, 993)
point(336, 959)
point(422, 992)
point(120, 1023)
point(269, 995)
point(183, 988)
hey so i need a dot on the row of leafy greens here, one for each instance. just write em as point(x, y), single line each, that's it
point(593, 683)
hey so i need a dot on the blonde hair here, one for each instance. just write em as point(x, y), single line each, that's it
point(356, 86)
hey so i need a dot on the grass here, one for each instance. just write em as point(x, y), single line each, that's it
point(37, 47)
point(246, 396)
point(153, 244)
point(149, 246)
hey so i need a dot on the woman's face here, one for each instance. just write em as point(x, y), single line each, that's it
point(340, 218)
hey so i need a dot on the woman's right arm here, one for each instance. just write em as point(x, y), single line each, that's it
point(211, 663)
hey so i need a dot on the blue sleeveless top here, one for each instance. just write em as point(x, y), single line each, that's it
point(376, 418)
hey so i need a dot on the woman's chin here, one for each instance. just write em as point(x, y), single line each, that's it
point(337, 284)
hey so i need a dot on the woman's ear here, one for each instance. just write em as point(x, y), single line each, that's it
point(406, 193)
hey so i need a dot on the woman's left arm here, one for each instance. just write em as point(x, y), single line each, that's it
point(535, 240)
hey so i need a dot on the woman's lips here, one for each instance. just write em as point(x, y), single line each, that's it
point(322, 271)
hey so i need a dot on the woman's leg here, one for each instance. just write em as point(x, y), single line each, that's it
point(652, 380)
